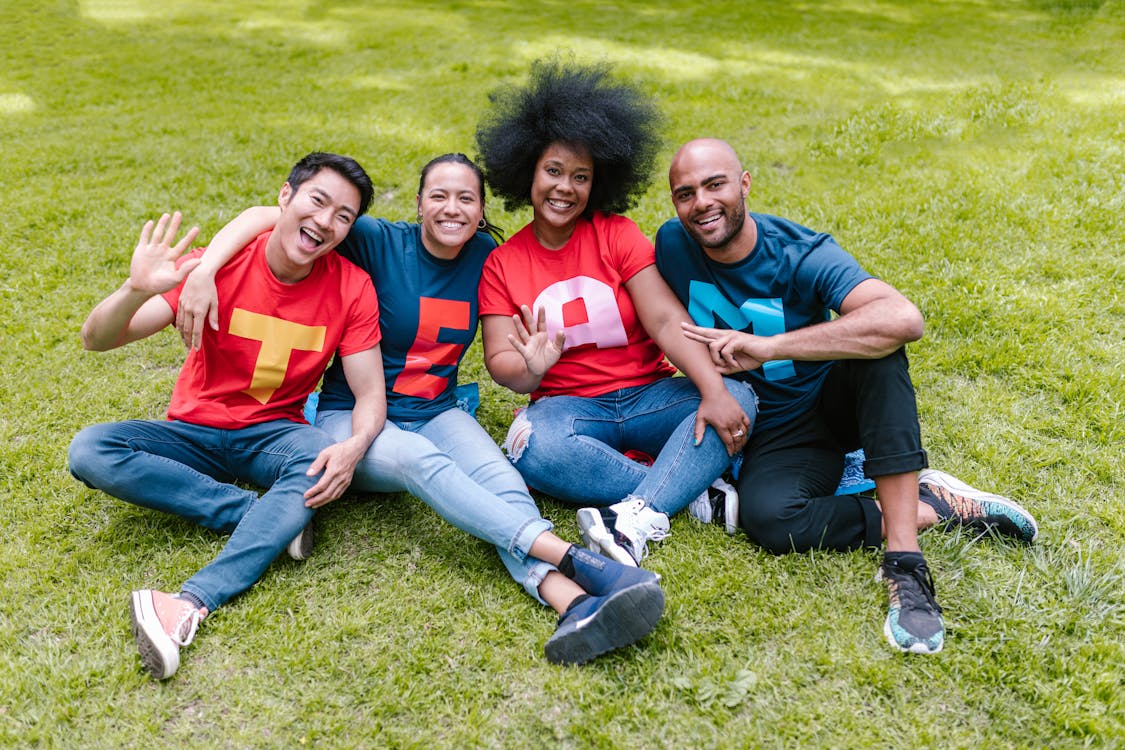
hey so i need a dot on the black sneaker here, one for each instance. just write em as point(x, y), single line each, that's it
point(597, 624)
point(914, 621)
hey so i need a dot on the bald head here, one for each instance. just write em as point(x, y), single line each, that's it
point(713, 150)
point(709, 189)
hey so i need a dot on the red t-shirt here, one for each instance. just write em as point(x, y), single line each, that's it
point(582, 288)
point(274, 339)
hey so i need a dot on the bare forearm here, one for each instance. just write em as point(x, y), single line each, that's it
point(871, 332)
point(107, 325)
point(368, 418)
point(236, 235)
point(690, 358)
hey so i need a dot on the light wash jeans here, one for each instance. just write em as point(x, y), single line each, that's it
point(571, 447)
point(452, 464)
point(187, 469)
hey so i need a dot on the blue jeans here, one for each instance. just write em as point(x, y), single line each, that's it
point(453, 465)
point(571, 447)
point(187, 469)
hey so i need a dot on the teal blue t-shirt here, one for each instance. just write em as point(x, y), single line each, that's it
point(427, 312)
point(793, 278)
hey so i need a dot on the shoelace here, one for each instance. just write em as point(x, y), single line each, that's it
point(922, 591)
point(190, 617)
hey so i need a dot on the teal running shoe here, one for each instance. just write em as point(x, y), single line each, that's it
point(914, 623)
point(957, 503)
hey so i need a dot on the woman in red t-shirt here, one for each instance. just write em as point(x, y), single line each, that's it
point(575, 313)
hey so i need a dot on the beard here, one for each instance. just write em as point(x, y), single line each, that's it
point(732, 225)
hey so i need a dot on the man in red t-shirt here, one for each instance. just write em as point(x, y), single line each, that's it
point(236, 410)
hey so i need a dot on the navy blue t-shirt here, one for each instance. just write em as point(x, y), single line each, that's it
point(428, 314)
point(793, 278)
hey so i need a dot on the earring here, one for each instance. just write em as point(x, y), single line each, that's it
point(482, 225)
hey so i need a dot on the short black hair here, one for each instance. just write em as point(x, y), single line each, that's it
point(345, 166)
point(577, 105)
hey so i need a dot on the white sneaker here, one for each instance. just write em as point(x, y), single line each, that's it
point(717, 504)
point(596, 537)
point(302, 545)
point(633, 524)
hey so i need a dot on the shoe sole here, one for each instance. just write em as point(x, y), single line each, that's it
point(956, 486)
point(160, 659)
point(302, 545)
point(917, 648)
point(626, 617)
point(597, 538)
point(730, 512)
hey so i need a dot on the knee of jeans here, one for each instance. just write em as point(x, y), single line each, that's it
point(744, 393)
point(291, 517)
point(82, 450)
point(519, 434)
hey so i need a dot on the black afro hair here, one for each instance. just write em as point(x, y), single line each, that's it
point(579, 105)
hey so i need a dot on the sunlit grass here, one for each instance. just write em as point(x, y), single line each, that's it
point(970, 153)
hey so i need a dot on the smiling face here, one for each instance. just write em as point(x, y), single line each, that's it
point(560, 191)
point(450, 208)
point(709, 189)
point(314, 219)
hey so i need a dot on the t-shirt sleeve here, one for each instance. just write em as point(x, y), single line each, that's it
point(667, 245)
point(831, 271)
point(493, 297)
point(172, 296)
point(364, 239)
point(361, 332)
point(631, 251)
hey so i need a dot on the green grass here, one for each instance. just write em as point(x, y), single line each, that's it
point(971, 153)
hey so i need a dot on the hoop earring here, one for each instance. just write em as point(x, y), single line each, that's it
point(482, 225)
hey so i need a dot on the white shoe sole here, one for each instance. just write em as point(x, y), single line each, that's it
point(597, 538)
point(302, 545)
point(159, 654)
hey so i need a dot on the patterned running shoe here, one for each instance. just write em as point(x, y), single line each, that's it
point(914, 623)
point(717, 504)
point(957, 503)
point(622, 531)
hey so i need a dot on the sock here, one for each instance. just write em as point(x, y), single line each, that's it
point(191, 599)
point(575, 602)
point(904, 560)
point(566, 566)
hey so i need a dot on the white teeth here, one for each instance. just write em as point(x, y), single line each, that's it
point(312, 235)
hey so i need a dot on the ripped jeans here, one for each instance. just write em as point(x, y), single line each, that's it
point(453, 465)
point(572, 447)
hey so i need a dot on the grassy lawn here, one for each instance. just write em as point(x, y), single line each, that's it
point(971, 153)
